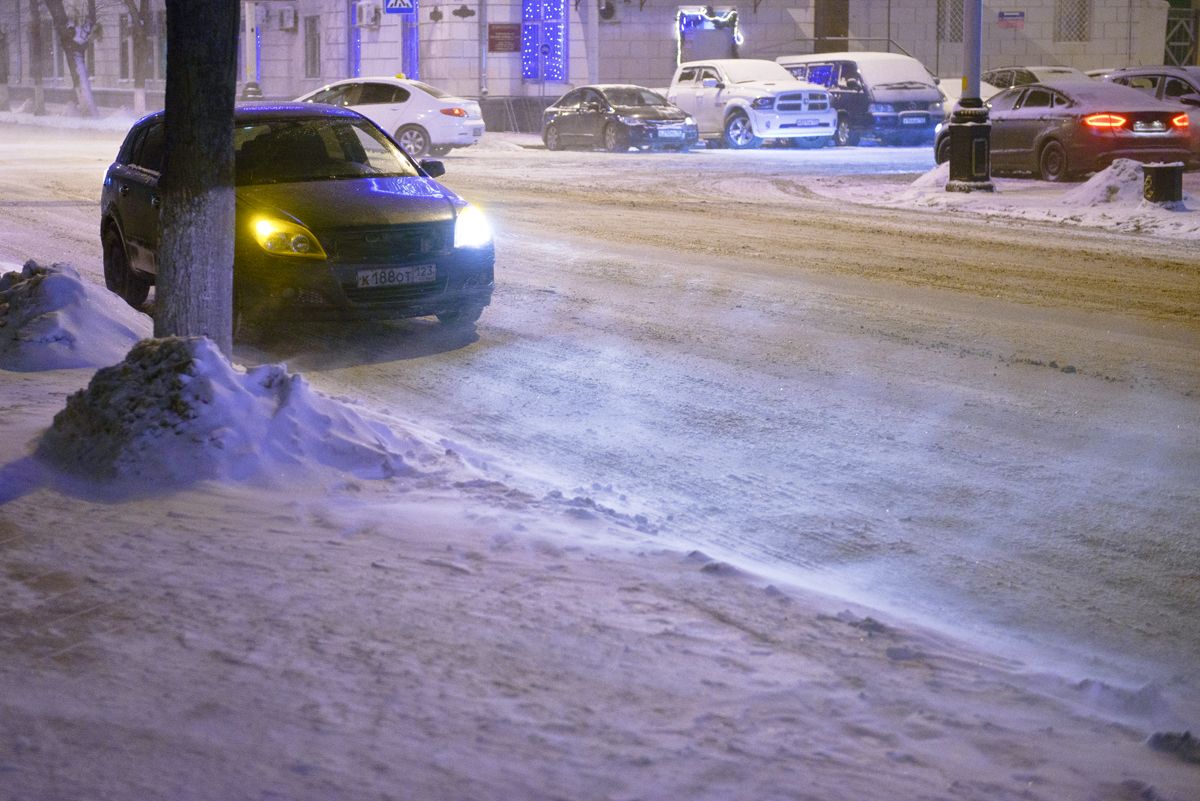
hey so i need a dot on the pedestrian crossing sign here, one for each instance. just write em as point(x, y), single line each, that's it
point(400, 6)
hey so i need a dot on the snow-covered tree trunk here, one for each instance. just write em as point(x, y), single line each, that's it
point(73, 37)
point(194, 295)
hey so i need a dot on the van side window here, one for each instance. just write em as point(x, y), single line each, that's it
point(798, 70)
point(823, 74)
point(687, 75)
point(847, 72)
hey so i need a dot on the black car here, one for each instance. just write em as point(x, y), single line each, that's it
point(334, 221)
point(1063, 129)
point(617, 117)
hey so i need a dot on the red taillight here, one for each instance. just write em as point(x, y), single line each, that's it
point(1104, 121)
point(454, 112)
point(1181, 121)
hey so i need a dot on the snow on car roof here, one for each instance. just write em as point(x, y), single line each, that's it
point(1089, 90)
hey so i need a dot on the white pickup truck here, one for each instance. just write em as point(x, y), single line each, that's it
point(739, 102)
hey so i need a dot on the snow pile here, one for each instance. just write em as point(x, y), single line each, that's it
point(1122, 183)
point(176, 411)
point(50, 318)
point(934, 179)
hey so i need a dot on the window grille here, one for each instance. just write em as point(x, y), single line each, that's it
point(950, 20)
point(1072, 20)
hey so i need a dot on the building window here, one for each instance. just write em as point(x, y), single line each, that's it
point(1072, 20)
point(950, 21)
point(544, 32)
point(312, 47)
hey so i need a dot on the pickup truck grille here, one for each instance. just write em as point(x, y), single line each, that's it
point(802, 101)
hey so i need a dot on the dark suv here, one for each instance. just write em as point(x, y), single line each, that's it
point(334, 221)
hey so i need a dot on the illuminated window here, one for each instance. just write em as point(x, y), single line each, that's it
point(544, 31)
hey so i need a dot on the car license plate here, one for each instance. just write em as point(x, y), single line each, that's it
point(396, 276)
point(912, 120)
point(670, 133)
point(476, 132)
point(807, 123)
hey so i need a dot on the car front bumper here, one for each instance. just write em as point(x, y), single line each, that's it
point(281, 287)
point(793, 125)
point(655, 136)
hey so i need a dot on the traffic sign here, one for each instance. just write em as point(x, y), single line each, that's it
point(400, 6)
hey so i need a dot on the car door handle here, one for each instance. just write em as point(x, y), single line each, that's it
point(154, 201)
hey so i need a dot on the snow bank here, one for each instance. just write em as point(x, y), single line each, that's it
point(175, 411)
point(1121, 183)
point(50, 318)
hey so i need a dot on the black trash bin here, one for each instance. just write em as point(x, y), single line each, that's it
point(1163, 182)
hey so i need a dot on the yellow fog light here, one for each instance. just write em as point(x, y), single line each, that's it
point(284, 238)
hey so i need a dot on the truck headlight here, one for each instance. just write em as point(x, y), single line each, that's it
point(762, 103)
point(471, 228)
point(285, 238)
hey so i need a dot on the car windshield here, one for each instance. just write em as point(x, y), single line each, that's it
point(314, 149)
point(634, 96)
point(753, 69)
point(895, 73)
point(432, 90)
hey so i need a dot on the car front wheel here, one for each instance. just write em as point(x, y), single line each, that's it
point(118, 274)
point(1052, 162)
point(738, 132)
point(615, 139)
point(551, 138)
point(414, 140)
point(844, 136)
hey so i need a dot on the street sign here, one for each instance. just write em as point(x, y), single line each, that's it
point(1012, 19)
point(400, 6)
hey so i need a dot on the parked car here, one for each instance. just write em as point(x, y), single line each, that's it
point(889, 97)
point(1171, 84)
point(617, 117)
point(952, 88)
point(1061, 129)
point(334, 221)
point(1008, 77)
point(739, 102)
point(422, 118)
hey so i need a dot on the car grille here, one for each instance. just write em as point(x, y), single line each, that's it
point(911, 105)
point(802, 101)
point(395, 294)
point(389, 244)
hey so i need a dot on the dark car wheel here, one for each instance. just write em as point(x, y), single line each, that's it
point(738, 132)
point(616, 140)
point(118, 275)
point(463, 315)
point(551, 138)
point(1052, 162)
point(942, 154)
point(844, 136)
point(413, 140)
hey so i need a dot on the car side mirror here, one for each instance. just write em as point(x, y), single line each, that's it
point(853, 85)
point(712, 83)
point(434, 168)
point(1189, 100)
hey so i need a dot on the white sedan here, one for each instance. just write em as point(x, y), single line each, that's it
point(422, 118)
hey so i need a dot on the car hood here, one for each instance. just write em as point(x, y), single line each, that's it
point(652, 112)
point(353, 202)
point(773, 87)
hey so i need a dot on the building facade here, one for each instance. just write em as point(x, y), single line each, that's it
point(541, 48)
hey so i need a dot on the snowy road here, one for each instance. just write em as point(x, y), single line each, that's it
point(990, 424)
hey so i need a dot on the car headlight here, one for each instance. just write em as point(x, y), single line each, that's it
point(689, 120)
point(762, 103)
point(285, 238)
point(936, 107)
point(471, 228)
point(881, 108)
point(634, 121)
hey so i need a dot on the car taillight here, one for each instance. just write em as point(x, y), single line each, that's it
point(454, 112)
point(1104, 121)
point(1181, 121)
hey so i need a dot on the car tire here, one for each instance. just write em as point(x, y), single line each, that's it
point(118, 274)
point(460, 316)
point(413, 140)
point(942, 154)
point(844, 136)
point(616, 140)
point(1052, 162)
point(738, 133)
point(551, 138)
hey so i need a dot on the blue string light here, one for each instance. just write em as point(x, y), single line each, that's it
point(544, 31)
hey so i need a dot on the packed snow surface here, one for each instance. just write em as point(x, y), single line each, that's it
point(393, 583)
point(51, 318)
